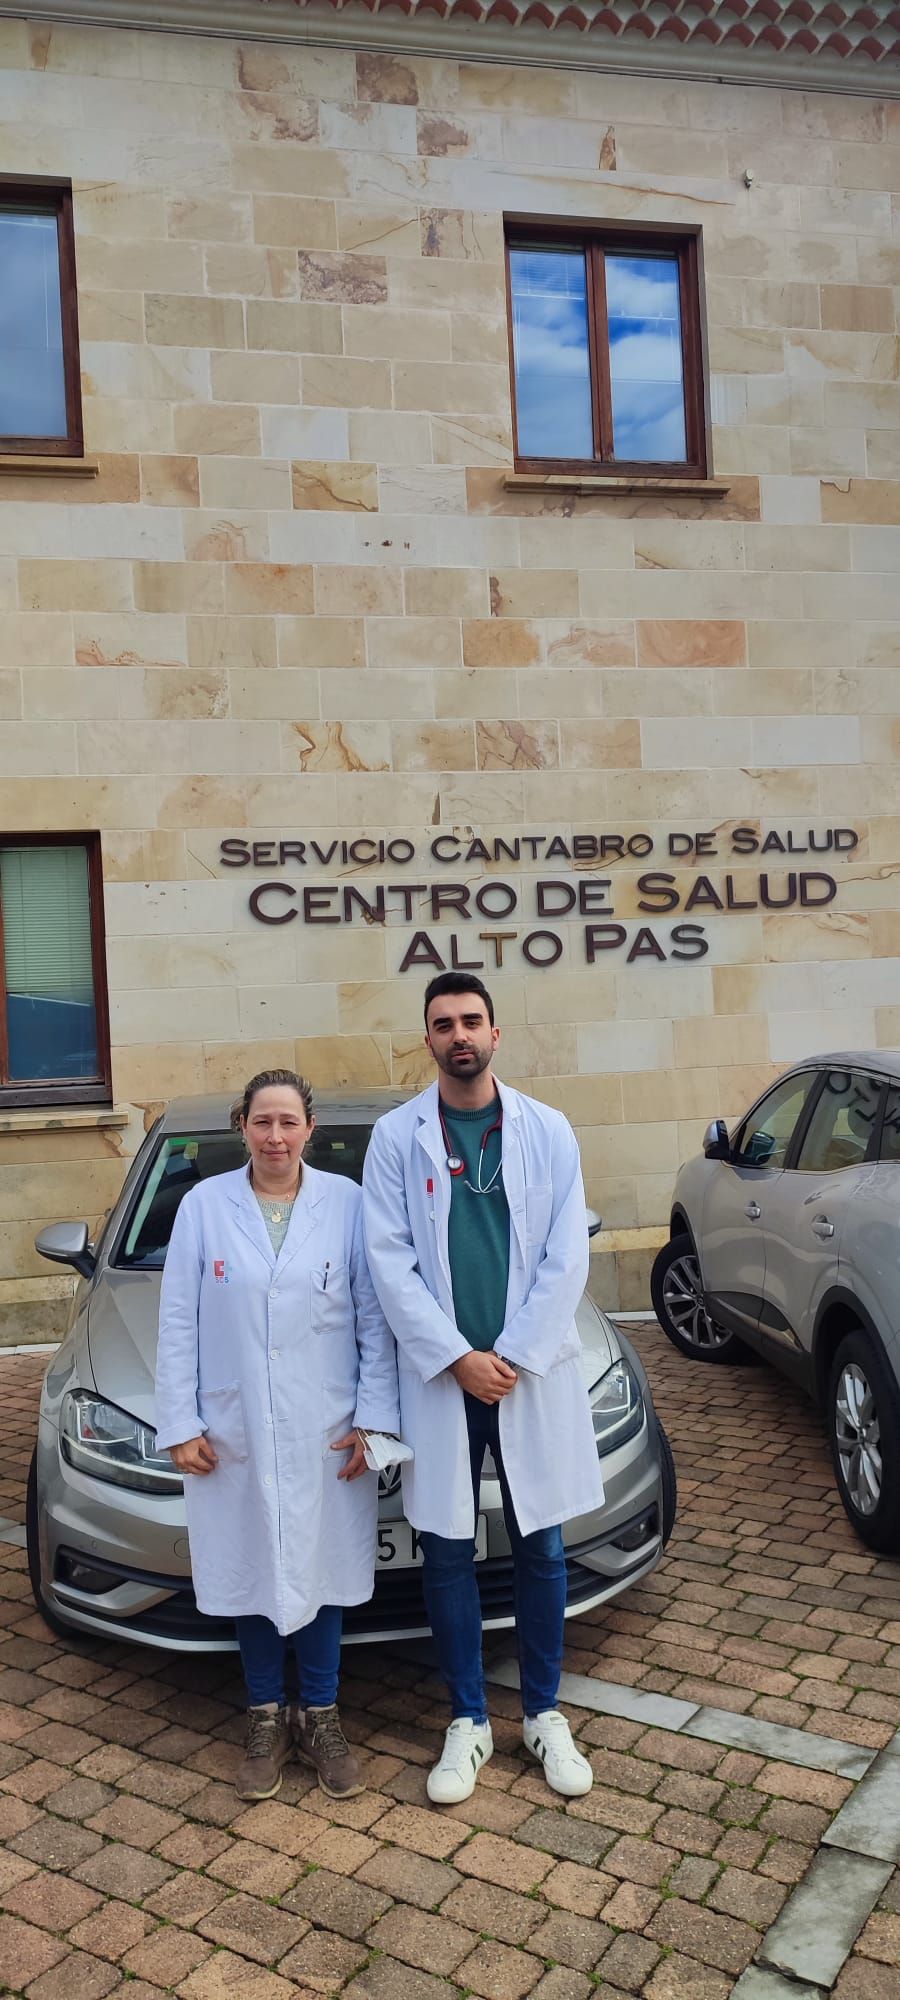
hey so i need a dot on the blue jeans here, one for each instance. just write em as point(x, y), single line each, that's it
point(539, 1593)
point(318, 1653)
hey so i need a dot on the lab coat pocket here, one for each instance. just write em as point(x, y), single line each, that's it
point(331, 1306)
point(334, 1323)
point(538, 1212)
point(222, 1411)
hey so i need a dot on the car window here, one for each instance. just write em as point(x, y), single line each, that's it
point(768, 1131)
point(890, 1131)
point(183, 1159)
point(842, 1123)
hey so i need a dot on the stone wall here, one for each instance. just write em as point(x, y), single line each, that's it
point(299, 600)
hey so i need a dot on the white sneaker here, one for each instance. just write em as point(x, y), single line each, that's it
point(549, 1738)
point(467, 1745)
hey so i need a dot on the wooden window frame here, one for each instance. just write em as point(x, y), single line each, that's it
point(16, 192)
point(44, 1091)
point(543, 233)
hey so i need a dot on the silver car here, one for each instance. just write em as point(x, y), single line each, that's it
point(785, 1242)
point(107, 1544)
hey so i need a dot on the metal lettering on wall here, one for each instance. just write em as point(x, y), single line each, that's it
point(547, 900)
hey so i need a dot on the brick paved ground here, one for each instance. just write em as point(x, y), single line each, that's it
point(128, 1867)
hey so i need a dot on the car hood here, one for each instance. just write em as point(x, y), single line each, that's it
point(123, 1324)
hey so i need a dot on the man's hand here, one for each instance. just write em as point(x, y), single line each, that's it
point(484, 1376)
point(357, 1464)
point(196, 1455)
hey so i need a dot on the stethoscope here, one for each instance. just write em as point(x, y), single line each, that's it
point(456, 1165)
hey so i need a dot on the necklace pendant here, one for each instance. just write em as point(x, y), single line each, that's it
point(277, 1215)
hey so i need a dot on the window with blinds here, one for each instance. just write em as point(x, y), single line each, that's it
point(53, 1041)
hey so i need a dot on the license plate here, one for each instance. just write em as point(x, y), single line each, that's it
point(399, 1546)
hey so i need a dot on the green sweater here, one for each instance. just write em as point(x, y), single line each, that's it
point(479, 1228)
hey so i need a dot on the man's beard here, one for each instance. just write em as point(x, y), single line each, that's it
point(467, 1072)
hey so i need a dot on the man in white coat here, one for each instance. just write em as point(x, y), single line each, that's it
point(476, 1239)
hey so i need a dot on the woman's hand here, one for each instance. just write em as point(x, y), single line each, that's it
point(196, 1455)
point(357, 1464)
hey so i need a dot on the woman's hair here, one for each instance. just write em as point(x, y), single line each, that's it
point(287, 1078)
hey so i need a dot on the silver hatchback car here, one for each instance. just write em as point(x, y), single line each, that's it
point(785, 1242)
point(107, 1543)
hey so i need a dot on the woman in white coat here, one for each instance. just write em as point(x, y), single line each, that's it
point(273, 1356)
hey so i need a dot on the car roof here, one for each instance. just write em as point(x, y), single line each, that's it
point(886, 1062)
point(340, 1107)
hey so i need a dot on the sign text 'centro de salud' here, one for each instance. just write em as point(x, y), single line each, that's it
point(769, 870)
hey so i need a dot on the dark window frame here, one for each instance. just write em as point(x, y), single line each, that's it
point(544, 233)
point(21, 1094)
point(35, 193)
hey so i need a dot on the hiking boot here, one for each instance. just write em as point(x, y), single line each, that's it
point(321, 1742)
point(268, 1747)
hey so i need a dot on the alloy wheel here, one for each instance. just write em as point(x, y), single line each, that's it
point(683, 1298)
point(858, 1438)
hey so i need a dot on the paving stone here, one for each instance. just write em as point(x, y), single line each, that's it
point(822, 1917)
point(56, 1843)
point(427, 1833)
point(273, 1824)
point(861, 1979)
point(323, 1961)
point(167, 1956)
point(14, 1868)
point(869, 1822)
point(499, 1972)
point(575, 1941)
point(786, 1861)
point(631, 1907)
point(747, 1732)
point(338, 1902)
point(435, 1943)
point(134, 1821)
point(571, 1839)
point(502, 1861)
point(258, 1870)
point(254, 1929)
point(225, 1976)
point(720, 1941)
point(500, 1913)
point(880, 1938)
point(758, 1984)
point(25, 1953)
point(408, 1878)
point(738, 1893)
point(653, 1710)
point(52, 1901)
point(564, 1984)
point(111, 1930)
point(693, 1877)
point(585, 1891)
point(185, 1899)
point(194, 1846)
point(126, 1872)
point(76, 1977)
point(641, 1861)
point(681, 1978)
point(79, 1798)
point(387, 1979)
point(338, 1848)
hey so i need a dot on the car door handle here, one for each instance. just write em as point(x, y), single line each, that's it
point(753, 1211)
point(823, 1228)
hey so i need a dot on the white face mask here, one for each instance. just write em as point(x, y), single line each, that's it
point(382, 1451)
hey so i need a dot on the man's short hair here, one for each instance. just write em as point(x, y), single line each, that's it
point(458, 982)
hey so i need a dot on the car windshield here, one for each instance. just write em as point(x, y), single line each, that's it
point(184, 1158)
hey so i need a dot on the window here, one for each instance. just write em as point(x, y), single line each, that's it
point(40, 394)
point(768, 1131)
point(889, 1148)
point(842, 1123)
point(54, 1037)
point(606, 351)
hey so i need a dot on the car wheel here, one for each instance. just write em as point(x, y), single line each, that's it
point(676, 1288)
point(33, 1552)
point(864, 1434)
point(669, 1485)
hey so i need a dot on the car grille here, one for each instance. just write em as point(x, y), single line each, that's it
point(397, 1604)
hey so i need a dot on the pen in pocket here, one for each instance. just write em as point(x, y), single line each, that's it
point(325, 1279)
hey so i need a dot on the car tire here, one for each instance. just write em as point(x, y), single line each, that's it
point(863, 1415)
point(669, 1481)
point(676, 1288)
point(33, 1553)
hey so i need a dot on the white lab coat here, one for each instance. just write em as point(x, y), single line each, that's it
point(273, 1359)
point(546, 1432)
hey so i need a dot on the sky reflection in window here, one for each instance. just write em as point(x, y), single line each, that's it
point(550, 344)
point(645, 358)
point(32, 378)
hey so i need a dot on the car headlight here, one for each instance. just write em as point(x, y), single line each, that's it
point(106, 1442)
point(617, 1407)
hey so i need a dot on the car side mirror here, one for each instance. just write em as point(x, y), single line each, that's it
point(67, 1243)
point(594, 1222)
point(716, 1143)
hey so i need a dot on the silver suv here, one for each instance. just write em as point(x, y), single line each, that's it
point(107, 1545)
point(785, 1242)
